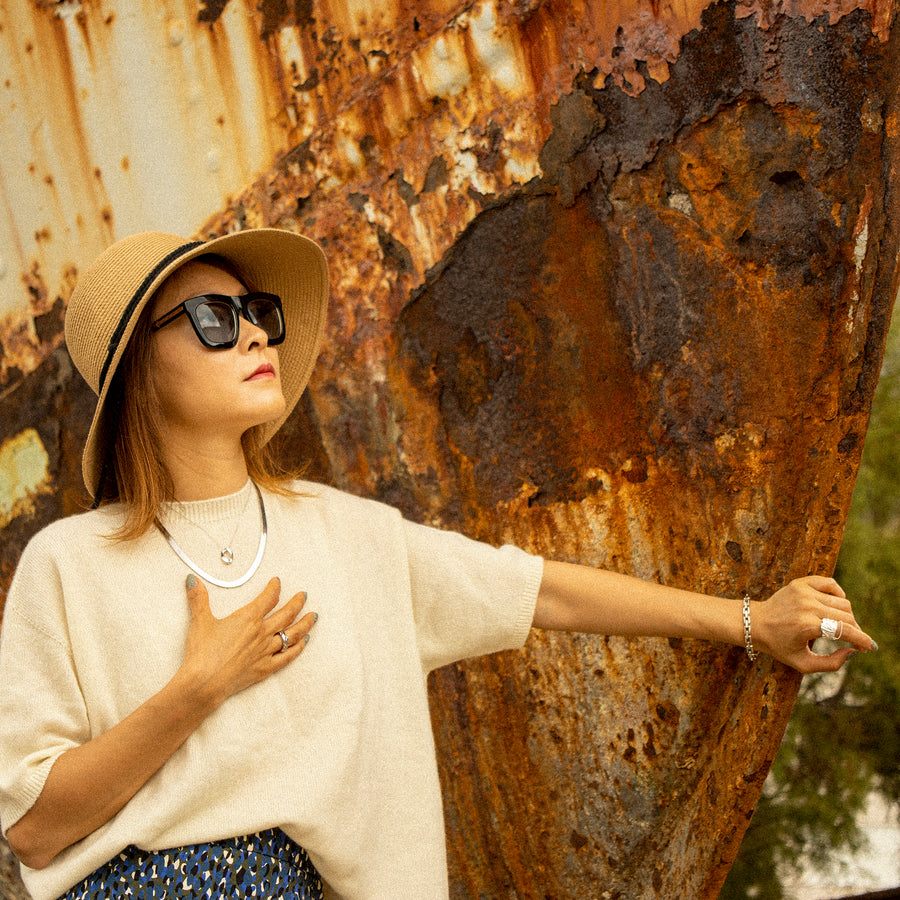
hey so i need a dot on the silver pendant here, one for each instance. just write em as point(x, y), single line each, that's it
point(226, 556)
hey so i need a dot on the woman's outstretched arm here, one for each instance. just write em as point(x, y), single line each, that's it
point(580, 598)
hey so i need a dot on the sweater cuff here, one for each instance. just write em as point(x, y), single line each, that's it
point(27, 795)
point(534, 574)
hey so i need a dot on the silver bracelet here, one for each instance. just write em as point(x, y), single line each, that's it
point(748, 642)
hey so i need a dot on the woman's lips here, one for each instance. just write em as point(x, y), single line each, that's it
point(266, 370)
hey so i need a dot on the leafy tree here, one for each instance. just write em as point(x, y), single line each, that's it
point(843, 741)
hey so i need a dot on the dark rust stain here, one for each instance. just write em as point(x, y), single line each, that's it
point(277, 14)
point(516, 332)
point(649, 747)
point(49, 325)
point(436, 176)
point(848, 442)
point(210, 11)
point(734, 550)
point(578, 841)
point(396, 255)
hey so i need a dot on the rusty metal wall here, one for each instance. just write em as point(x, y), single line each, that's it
point(611, 281)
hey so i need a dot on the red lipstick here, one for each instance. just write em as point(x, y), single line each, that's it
point(266, 370)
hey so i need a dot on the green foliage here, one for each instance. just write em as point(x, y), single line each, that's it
point(843, 741)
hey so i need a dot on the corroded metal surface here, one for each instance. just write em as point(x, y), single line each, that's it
point(611, 282)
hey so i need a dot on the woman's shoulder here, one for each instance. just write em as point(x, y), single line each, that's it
point(331, 502)
point(73, 543)
point(89, 526)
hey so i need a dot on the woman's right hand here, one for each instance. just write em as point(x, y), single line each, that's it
point(224, 656)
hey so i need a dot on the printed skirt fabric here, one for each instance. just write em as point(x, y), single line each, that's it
point(264, 865)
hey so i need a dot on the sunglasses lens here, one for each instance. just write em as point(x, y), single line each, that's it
point(216, 320)
point(265, 314)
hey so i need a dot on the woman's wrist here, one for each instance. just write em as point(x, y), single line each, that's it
point(193, 694)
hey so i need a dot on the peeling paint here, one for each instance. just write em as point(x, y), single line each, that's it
point(83, 89)
point(766, 12)
point(24, 474)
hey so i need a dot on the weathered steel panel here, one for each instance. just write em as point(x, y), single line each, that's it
point(611, 281)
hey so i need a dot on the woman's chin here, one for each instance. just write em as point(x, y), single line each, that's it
point(271, 412)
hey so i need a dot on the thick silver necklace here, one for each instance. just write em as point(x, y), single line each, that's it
point(211, 578)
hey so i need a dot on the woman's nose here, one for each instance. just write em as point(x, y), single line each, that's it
point(250, 333)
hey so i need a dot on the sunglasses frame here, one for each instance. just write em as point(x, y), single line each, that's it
point(237, 303)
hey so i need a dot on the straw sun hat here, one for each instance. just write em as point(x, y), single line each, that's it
point(111, 294)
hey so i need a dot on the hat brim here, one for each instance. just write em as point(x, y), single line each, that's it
point(268, 259)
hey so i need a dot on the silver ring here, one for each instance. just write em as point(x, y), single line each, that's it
point(284, 641)
point(830, 629)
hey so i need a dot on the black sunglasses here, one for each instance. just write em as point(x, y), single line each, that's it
point(215, 317)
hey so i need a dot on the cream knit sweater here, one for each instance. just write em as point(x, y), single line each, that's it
point(336, 748)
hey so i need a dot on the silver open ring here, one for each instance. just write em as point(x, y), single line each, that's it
point(284, 641)
point(830, 629)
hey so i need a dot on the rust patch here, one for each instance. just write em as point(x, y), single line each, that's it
point(516, 335)
point(608, 340)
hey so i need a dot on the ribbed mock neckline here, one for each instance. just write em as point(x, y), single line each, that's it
point(217, 509)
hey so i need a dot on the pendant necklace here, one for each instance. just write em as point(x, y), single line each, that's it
point(226, 555)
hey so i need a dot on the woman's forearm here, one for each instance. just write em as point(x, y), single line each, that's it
point(579, 598)
point(89, 784)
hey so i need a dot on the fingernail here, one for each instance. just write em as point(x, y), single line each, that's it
point(306, 639)
point(191, 581)
point(315, 617)
point(874, 645)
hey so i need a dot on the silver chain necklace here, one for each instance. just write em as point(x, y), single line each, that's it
point(211, 578)
point(226, 554)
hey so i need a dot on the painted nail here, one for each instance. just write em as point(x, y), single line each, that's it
point(191, 581)
point(315, 617)
point(874, 645)
point(306, 639)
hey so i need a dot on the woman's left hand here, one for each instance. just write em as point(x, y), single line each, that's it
point(786, 625)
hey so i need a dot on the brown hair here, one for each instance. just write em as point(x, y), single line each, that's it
point(135, 471)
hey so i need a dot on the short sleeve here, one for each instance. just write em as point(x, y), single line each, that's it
point(469, 598)
point(42, 711)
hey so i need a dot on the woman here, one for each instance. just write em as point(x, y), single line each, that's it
point(133, 722)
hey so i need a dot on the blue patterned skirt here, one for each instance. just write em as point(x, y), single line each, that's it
point(264, 865)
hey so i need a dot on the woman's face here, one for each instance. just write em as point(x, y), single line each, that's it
point(205, 392)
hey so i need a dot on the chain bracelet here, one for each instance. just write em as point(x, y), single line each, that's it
point(748, 642)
